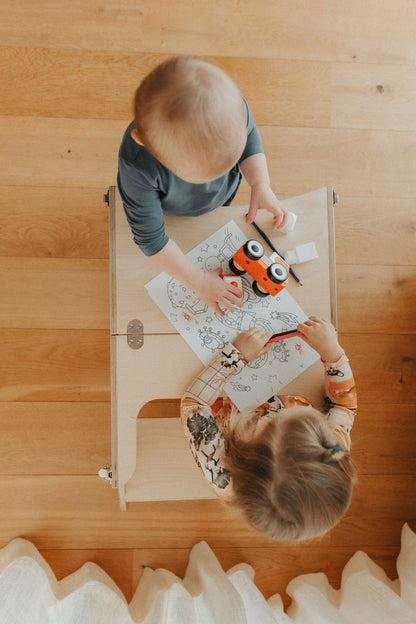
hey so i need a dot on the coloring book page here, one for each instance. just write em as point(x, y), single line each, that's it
point(206, 332)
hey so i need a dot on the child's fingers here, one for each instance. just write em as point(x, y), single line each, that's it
point(226, 304)
point(217, 309)
point(234, 294)
point(280, 218)
point(263, 338)
point(251, 215)
point(267, 345)
point(306, 332)
point(229, 297)
point(230, 303)
point(251, 331)
point(261, 334)
point(309, 325)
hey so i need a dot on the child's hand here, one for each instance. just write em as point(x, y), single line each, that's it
point(215, 292)
point(262, 197)
point(253, 343)
point(320, 334)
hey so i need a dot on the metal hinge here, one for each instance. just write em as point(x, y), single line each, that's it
point(106, 473)
point(135, 337)
point(106, 197)
point(335, 197)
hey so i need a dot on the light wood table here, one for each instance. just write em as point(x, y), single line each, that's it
point(150, 360)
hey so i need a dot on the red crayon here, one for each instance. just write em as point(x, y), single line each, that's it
point(284, 335)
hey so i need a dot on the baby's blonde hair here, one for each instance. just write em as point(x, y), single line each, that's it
point(292, 481)
point(190, 116)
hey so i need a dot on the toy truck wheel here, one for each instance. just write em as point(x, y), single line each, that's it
point(253, 250)
point(258, 291)
point(277, 273)
point(235, 268)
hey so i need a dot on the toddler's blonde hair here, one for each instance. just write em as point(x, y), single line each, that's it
point(291, 481)
point(190, 116)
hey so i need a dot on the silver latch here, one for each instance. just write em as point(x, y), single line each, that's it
point(135, 337)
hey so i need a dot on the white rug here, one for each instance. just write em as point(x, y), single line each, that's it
point(30, 593)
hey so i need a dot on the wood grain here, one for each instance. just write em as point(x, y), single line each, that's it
point(383, 366)
point(329, 31)
point(363, 160)
point(79, 289)
point(83, 153)
point(69, 365)
point(375, 230)
point(73, 223)
point(376, 298)
point(74, 438)
point(384, 437)
point(336, 95)
point(118, 564)
point(54, 438)
point(53, 222)
point(371, 509)
point(53, 365)
point(65, 512)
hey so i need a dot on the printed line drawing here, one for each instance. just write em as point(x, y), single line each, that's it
point(206, 332)
point(238, 387)
point(212, 340)
point(280, 351)
point(182, 297)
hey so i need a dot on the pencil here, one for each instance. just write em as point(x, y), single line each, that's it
point(273, 248)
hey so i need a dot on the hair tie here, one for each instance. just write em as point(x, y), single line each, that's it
point(337, 453)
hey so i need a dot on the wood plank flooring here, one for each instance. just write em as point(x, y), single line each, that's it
point(333, 90)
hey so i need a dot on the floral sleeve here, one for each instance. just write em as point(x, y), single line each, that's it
point(341, 398)
point(204, 426)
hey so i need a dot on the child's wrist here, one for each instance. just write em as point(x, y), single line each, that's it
point(260, 183)
point(332, 355)
point(195, 279)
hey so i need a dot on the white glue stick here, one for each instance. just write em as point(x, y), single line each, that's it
point(290, 223)
point(301, 253)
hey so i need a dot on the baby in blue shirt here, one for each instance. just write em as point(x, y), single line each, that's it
point(192, 137)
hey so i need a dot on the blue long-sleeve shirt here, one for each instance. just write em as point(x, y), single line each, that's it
point(149, 190)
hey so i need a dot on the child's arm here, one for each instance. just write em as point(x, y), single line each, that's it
point(206, 284)
point(254, 168)
point(339, 381)
point(203, 426)
point(207, 387)
point(144, 213)
point(255, 171)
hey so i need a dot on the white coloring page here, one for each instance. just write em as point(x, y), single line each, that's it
point(206, 332)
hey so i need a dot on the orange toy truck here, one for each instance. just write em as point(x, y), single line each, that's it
point(270, 276)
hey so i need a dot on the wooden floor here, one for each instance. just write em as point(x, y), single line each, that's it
point(333, 89)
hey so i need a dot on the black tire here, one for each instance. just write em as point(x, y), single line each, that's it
point(234, 269)
point(277, 273)
point(253, 249)
point(259, 292)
